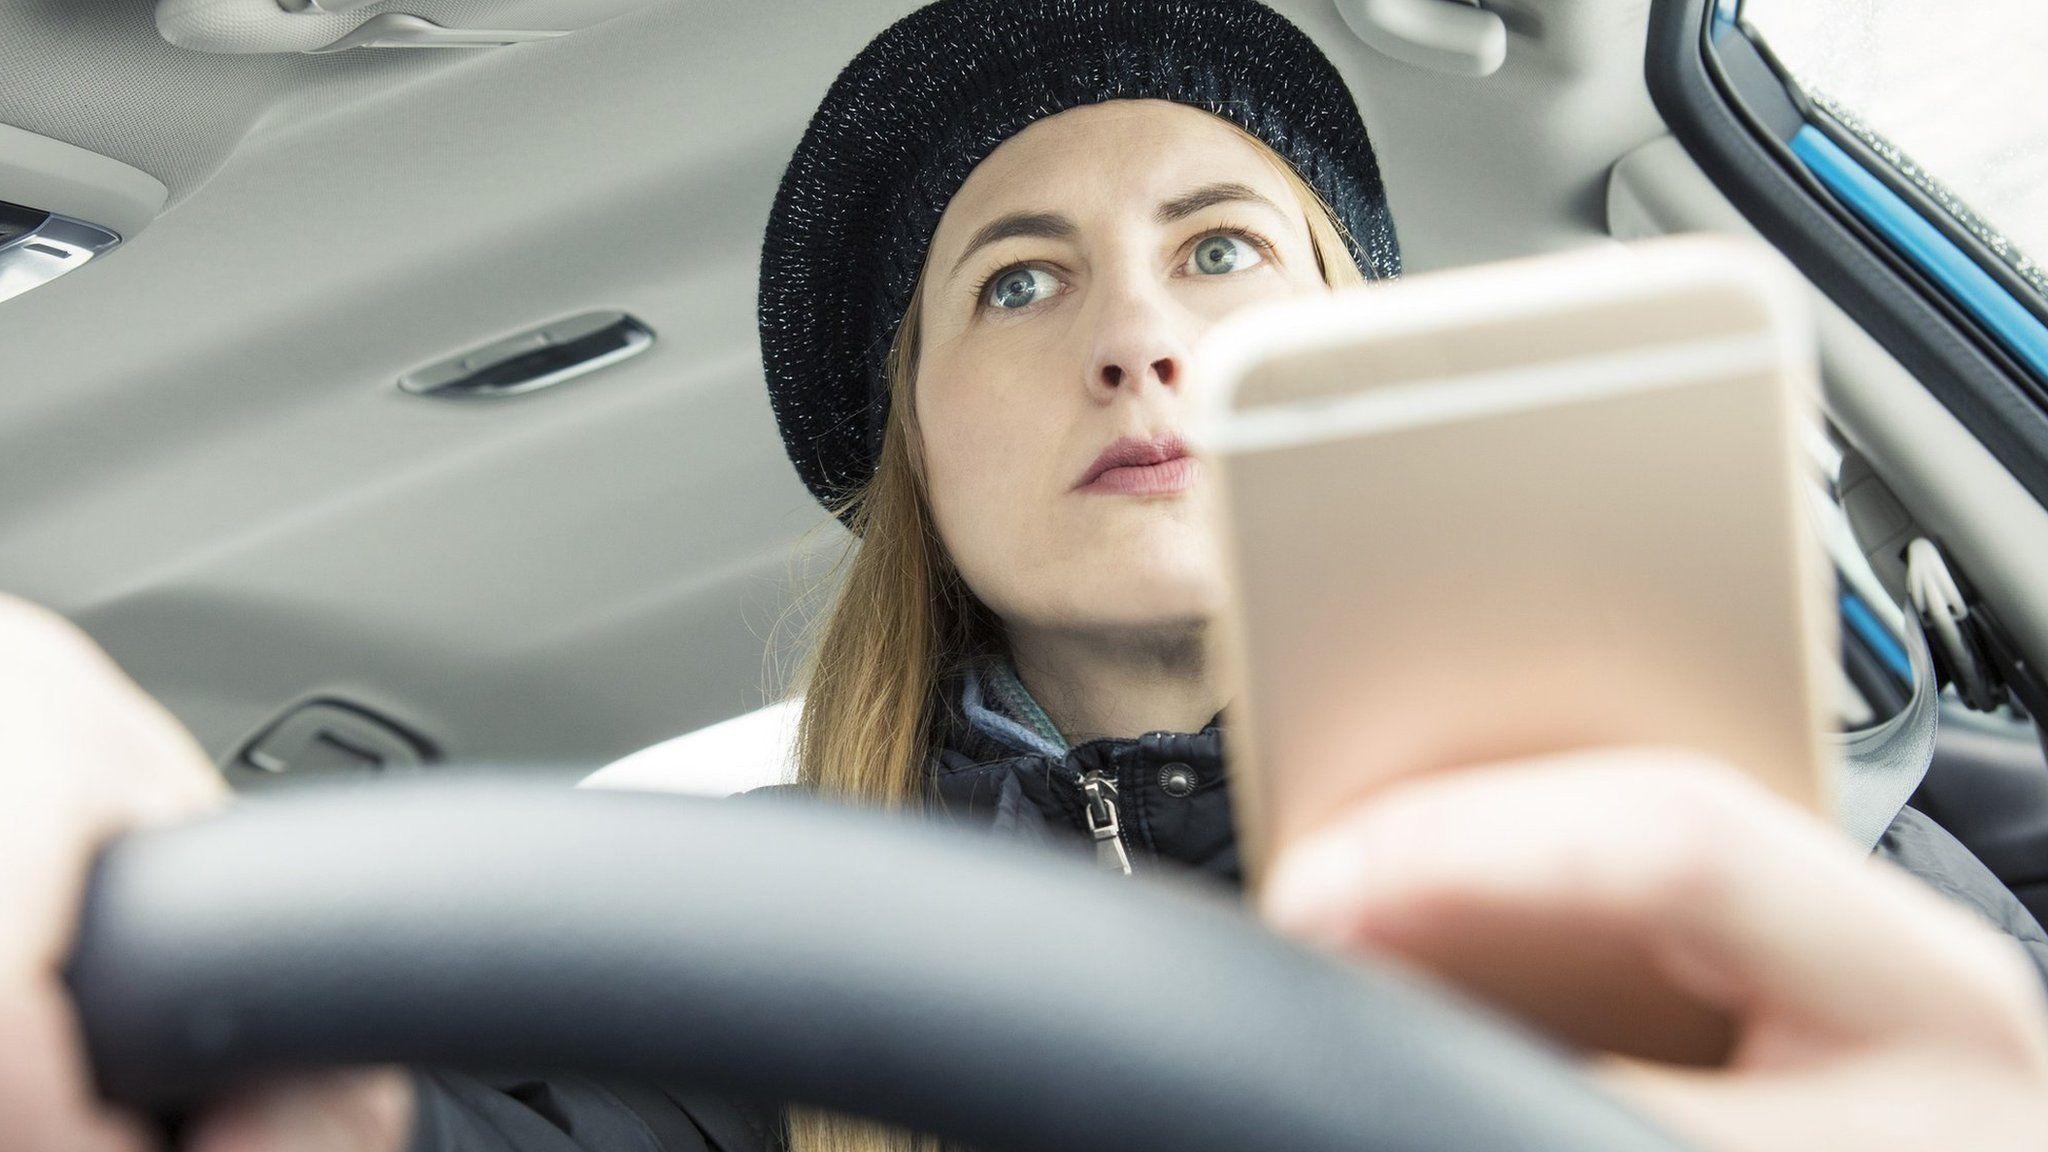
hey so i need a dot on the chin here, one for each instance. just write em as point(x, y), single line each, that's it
point(1136, 585)
point(1138, 565)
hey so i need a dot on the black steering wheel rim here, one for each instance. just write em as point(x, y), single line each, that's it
point(787, 951)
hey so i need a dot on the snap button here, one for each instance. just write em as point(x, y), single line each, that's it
point(1177, 779)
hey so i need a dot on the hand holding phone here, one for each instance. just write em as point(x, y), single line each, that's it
point(1503, 512)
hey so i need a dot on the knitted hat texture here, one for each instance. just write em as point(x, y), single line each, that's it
point(928, 99)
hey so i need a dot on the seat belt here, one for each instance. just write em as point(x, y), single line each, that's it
point(1884, 764)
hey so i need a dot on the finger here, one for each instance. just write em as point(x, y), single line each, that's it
point(1741, 897)
point(1894, 1098)
point(1830, 1106)
point(76, 722)
point(347, 1111)
point(85, 754)
point(44, 1105)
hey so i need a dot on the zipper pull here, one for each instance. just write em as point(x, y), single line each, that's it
point(1103, 824)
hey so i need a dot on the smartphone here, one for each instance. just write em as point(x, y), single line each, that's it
point(1524, 508)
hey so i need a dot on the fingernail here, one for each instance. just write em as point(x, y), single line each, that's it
point(1309, 888)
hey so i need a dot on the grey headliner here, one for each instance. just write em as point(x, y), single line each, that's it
point(205, 460)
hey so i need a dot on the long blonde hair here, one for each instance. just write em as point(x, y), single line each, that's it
point(903, 620)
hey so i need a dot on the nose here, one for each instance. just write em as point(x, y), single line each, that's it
point(1163, 369)
point(1136, 344)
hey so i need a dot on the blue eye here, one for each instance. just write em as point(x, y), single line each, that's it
point(1223, 252)
point(1019, 288)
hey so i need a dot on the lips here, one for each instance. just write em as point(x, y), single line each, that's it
point(1132, 466)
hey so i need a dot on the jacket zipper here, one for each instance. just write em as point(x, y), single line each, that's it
point(1104, 822)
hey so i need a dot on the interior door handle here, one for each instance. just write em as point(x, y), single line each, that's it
point(538, 358)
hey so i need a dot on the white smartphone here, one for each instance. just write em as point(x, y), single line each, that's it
point(1526, 508)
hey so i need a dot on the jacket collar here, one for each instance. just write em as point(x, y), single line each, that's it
point(989, 768)
point(992, 716)
point(995, 705)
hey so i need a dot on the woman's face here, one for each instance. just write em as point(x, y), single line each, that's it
point(1065, 284)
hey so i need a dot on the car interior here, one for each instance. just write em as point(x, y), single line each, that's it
point(379, 381)
point(211, 464)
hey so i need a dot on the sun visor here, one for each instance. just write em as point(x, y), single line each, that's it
point(244, 27)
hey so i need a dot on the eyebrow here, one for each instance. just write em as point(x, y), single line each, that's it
point(1054, 226)
point(1043, 225)
point(1208, 196)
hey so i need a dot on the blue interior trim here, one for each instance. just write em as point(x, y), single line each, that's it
point(1858, 616)
point(2018, 329)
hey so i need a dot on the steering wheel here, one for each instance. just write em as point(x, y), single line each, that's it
point(782, 951)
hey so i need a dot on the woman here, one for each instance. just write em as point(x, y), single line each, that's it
point(1002, 233)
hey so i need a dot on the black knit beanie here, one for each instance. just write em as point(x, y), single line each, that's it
point(930, 98)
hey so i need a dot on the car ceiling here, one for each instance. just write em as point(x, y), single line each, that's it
point(206, 461)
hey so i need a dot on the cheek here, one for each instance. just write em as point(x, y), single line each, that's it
point(988, 442)
point(969, 438)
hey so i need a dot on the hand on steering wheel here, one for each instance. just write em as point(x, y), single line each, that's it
point(1873, 1014)
point(88, 755)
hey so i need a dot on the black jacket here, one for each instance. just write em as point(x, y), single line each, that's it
point(1166, 797)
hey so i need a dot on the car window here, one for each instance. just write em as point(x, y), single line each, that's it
point(1953, 95)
